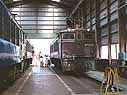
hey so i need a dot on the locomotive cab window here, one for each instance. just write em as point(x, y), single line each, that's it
point(68, 36)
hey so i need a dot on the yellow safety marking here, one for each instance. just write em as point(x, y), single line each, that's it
point(110, 78)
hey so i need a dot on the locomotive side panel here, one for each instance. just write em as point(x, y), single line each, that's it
point(54, 49)
point(89, 44)
point(89, 49)
point(55, 53)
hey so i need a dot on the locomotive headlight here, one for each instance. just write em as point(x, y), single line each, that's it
point(65, 55)
point(69, 65)
point(73, 57)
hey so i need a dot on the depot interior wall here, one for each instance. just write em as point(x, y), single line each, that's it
point(40, 20)
point(108, 20)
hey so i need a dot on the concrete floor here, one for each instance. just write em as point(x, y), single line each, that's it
point(42, 81)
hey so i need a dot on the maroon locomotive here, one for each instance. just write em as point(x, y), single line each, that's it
point(74, 50)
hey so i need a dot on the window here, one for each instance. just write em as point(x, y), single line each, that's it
point(88, 18)
point(59, 18)
point(114, 16)
point(94, 20)
point(104, 40)
point(56, 46)
point(112, 1)
point(28, 13)
point(29, 27)
point(103, 4)
point(45, 18)
point(94, 27)
point(68, 36)
point(27, 22)
point(113, 7)
point(59, 14)
point(115, 38)
point(114, 51)
point(104, 52)
point(45, 22)
point(88, 24)
point(103, 14)
point(104, 31)
point(114, 27)
point(60, 22)
point(104, 21)
point(45, 27)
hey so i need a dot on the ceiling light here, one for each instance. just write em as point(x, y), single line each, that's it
point(16, 0)
point(56, 0)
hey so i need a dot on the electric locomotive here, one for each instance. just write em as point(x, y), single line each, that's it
point(74, 50)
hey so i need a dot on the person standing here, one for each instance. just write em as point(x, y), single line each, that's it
point(46, 61)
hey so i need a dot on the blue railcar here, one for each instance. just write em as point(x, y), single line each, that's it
point(15, 54)
point(9, 53)
point(9, 62)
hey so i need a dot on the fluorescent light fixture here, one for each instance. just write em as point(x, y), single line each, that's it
point(56, 0)
point(16, 0)
point(88, 29)
point(69, 29)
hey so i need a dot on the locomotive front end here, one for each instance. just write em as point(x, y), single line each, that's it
point(78, 51)
point(68, 55)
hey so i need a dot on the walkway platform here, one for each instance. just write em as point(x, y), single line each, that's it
point(43, 81)
point(100, 75)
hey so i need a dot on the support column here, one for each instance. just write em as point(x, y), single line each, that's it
point(121, 19)
point(98, 32)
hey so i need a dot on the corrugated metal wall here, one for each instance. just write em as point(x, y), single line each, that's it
point(40, 21)
point(106, 18)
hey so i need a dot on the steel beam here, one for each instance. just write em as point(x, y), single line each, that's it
point(77, 6)
point(41, 35)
